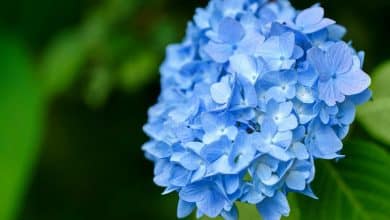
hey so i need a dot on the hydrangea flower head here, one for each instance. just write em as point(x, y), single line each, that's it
point(256, 92)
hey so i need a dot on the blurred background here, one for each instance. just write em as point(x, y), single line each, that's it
point(76, 80)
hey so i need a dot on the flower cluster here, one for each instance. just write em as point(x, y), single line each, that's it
point(253, 95)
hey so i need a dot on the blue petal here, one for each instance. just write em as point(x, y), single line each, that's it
point(283, 139)
point(230, 215)
point(316, 57)
point(296, 180)
point(353, 82)
point(250, 44)
point(287, 44)
point(310, 16)
point(216, 149)
point(194, 192)
point(162, 173)
point(201, 18)
point(231, 182)
point(212, 204)
point(184, 208)
point(305, 94)
point(268, 128)
point(329, 93)
point(326, 143)
point(321, 25)
point(245, 66)
point(346, 113)
point(278, 47)
point(300, 151)
point(199, 174)
point(252, 196)
point(288, 123)
point(263, 171)
point(339, 58)
point(220, 53)
point(190, 161)
point(361, 98)
point(307, 76)
point(279, 153)
point(273, 208)
point(220, 92)
point(230, 31)
point(157, 149)
point(336, 32)
point(179, 176)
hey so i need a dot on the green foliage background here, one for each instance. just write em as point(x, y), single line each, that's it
point(76, 79)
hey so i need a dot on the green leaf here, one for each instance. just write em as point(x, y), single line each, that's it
point(381, 81)
point(62, 62)
point(246, 212)
point(21, 114)
point(137, 71)
point(295, 213)
point(356, 187)
point(375, 117)
point(98, 88)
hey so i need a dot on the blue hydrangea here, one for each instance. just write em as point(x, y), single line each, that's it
point(256, 92)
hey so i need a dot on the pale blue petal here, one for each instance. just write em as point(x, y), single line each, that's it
point(310, 16)
point(279, 153)
point(288, 123)
point(326, 143)
point(220, 53)
point(252, 196)
point(329, 93)
point(250, 44)
point(305, 94)
point(263, 172)
point(283, 139)
point(321, 25)
point(300, 151)
point(339, 58)
point(220, 92)
point(296, 180)
point(316, 57)
point(157, 149)
point(353, 82)
point(287, 45)
point(246, 66)
point(201, 18)
point(195, 147)
point(270, 48)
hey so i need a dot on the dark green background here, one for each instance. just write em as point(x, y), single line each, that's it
point(89, 165)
